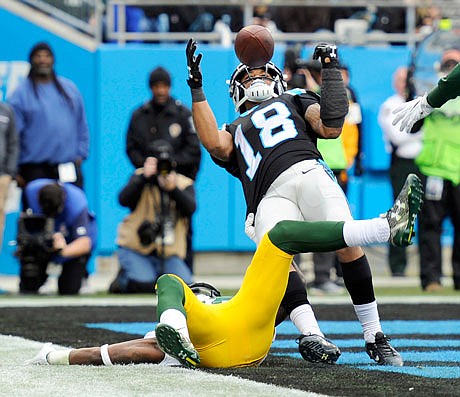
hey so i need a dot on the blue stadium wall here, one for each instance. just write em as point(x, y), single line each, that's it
point(113, 82)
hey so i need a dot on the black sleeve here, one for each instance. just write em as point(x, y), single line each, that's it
point(129, 196)
point(230, 166)
point(134, 148)
point(305, 99)
point(185, 200)
point(188, 156)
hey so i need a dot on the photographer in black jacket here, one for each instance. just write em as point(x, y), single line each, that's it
point(152, 238)
point(166, 118)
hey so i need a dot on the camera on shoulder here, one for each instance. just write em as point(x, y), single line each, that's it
point(35, 235)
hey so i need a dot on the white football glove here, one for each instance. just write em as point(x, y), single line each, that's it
point(410, 112)
point(249, 228)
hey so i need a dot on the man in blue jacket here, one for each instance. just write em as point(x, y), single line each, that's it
point(69, 241)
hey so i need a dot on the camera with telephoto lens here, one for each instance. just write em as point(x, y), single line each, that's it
point(163, 151)
point(149, 231)
point(34, 249)
point(35, 233)
point(165, 164)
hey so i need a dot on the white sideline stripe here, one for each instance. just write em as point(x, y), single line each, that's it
point(126, 300)
point(117, 381)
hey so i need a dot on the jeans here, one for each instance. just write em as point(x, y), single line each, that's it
point(147, 268)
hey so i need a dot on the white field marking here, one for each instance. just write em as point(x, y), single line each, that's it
point(140, 380)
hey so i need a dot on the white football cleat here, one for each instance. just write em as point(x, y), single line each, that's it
point(40, 358)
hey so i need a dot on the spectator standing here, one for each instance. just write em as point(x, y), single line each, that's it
point(152, 239)
point(439, 163)
point(404, 148)
point(51, 123)
point(8, 158)
point(165, 118)
point(67, 236)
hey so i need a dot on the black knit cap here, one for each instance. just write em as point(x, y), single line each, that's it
point(158, 75)
point(38, 47)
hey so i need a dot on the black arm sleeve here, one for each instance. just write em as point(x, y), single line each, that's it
point(131, 193)
point(134, 147)
point(334, 101)
point(185, 200)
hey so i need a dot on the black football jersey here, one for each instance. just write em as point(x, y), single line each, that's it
point(268, 139)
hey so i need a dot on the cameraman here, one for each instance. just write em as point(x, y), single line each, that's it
point(71, 243)
point(152, 238)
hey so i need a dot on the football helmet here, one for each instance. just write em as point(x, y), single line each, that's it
point(259, 90)
point(205, 292)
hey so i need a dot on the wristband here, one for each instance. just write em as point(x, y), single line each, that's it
point(198, 95)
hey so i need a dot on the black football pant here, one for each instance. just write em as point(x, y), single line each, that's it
point(431, 220)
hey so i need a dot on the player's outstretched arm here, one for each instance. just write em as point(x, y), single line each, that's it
point(135, 351)
point(218, 143)
point(410, 112)
point(327, 119)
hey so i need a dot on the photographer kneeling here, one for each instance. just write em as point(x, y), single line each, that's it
point(57, 227)
point(152, 238)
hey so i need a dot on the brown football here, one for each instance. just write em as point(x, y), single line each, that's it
point(254, 45)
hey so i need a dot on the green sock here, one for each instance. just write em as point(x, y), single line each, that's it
point(170, 294)
point(294, 237)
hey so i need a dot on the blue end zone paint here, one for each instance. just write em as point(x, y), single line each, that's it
point(417, 363)
point(357, 343)
point(128, 328)
point(445, 327)
point(352, 358)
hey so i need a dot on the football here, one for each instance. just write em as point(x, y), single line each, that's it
point(254, 45)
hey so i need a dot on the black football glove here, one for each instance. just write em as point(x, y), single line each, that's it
point(327, 54)
point(195, 78)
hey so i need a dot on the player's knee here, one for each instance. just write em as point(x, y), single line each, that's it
point(279, 231)
point(167, 281)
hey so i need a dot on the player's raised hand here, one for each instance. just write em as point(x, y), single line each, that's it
point(195, 78)
point(327, 54)
point(410, 112)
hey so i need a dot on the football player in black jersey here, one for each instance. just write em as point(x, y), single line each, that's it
point(271, 148)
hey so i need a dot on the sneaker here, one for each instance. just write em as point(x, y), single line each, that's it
point(176, 345)
point(382, 352)
point(326, 288)
point(40, 358)
point(402, 216)
point(316, 349)
point(434, 286)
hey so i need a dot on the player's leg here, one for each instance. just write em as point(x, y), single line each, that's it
point(72, 275)
point(280, 203)
point(172, 332)
point(324, 199)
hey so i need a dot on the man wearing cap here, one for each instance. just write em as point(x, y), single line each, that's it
point(51, 123)
point(165, 118)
